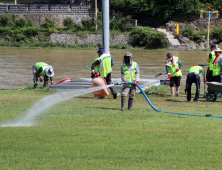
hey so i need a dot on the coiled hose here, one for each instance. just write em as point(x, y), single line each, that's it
point(166, 111)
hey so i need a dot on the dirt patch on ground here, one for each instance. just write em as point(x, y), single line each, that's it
point(161, 95)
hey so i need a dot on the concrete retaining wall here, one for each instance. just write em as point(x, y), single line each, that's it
point(48, 9)
point(90, 38)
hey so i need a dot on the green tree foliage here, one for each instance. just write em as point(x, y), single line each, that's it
point(148, 38)
point(193, 34)
point(160, 11)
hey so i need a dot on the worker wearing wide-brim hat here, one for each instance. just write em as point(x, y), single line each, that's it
point(217, 63)
point(193, 76)
point(42, 69)
point(210, 60)
point(129, 73)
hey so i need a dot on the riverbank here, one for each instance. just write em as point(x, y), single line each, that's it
point(88, 133)
point(87, 46)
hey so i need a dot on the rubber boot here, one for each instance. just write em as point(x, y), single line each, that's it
point(130, 104)
point(177, 90)
point(35, 85)
point(114, 95)
point(122, 103)
point(172, 91)
point(46, 80)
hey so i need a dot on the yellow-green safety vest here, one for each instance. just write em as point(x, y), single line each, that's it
point(172, 68)
point(106, 59)
point(130, 76)
point(217, 68)
point(195, 69)
point(210, 61)
point(43, 65)
point(96, 68)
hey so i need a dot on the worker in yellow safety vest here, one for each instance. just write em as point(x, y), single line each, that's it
point(102, 66)
point(42, 69)
point(129, 73)
point(193, 76)
point(210, 60)
point(173, 64)
point(217, 63)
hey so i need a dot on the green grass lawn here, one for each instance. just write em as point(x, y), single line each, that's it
point(88, 133)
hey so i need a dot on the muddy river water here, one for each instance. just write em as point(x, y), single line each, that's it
point(16, 64)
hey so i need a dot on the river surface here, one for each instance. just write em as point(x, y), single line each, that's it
point(16, 64)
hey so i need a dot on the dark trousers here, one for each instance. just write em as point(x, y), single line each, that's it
point(216, 79)
point(193, 78)
point(108, 81)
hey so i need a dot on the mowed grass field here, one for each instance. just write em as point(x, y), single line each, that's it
point(90, 133)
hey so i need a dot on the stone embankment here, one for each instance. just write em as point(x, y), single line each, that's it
point(56, 12)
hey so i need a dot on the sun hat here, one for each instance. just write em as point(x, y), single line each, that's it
point(217, 50)
point(49, 71)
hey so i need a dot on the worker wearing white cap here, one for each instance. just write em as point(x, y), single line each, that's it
point(42, 69)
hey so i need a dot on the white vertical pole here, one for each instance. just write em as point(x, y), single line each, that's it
point(105, 23)
point(15, 2)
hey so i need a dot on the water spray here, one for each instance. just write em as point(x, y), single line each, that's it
point(39, 108)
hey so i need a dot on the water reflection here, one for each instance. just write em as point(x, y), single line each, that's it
point(16, 64)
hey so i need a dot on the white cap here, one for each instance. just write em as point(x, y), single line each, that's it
point(49, 71)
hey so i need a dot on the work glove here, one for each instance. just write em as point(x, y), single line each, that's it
point(178, 69)
point(40, 79)
point(169, 76)
point(205, 80)
point(93, 72)
point(125, 81)
point(52, 83)
point(135, 83)
point(185, 90)
point(97, 74)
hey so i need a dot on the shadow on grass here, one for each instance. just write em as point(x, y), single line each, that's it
point(104, 108)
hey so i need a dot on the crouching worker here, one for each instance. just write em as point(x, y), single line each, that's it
point(42, 69)
point(193, 76)
point(129, 73)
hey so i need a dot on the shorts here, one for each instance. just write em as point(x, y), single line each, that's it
point(175, 80)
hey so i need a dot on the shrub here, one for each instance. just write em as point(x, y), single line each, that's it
point(30, 23)
point(216, 33)
point(148, 38)
point(86, 23)
point(6, 20)
point(188, 32)
point(48, 24)
point(68, 22)
point(20, 23)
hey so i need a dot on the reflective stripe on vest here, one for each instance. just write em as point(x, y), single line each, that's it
point(217, 69)
point(43, 65)
point(96, 68)
point(212, 60)
point(130, 76)
point(106, 59)
point(195, 69)
point(172, 68)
